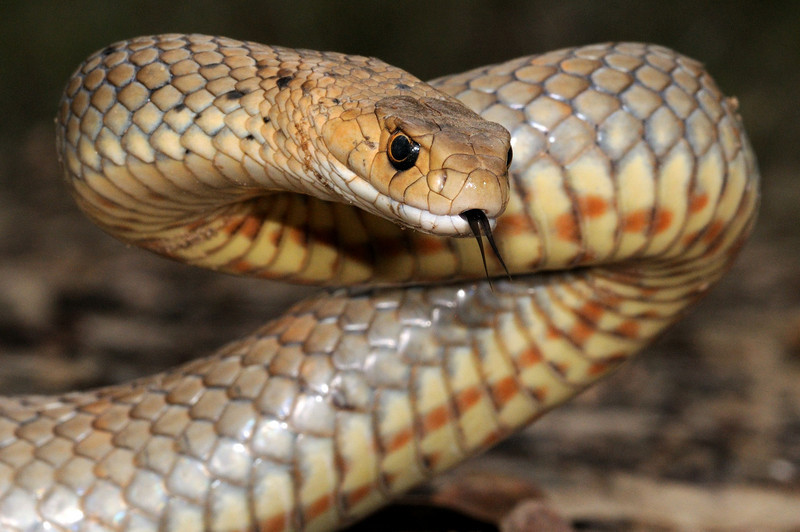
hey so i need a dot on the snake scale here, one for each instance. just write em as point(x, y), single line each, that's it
point(631, 188)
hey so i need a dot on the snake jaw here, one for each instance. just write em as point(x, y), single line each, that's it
point(363, 194)
point(424, 220)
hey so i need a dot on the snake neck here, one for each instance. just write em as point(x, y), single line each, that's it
point(187, 139)
point(197, 159)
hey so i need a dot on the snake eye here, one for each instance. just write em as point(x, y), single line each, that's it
point(509, 157)
point(403, 151)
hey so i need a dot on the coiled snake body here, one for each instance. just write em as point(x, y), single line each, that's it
point(631, 189)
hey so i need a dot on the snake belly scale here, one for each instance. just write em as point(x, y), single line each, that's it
point(631, 189)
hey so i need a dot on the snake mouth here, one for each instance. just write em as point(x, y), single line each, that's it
point(479, 224)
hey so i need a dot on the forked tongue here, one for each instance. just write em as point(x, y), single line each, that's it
point(479, 224)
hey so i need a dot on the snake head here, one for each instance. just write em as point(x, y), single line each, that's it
point(423, 161)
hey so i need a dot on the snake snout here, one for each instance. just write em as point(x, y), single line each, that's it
point(483, 190)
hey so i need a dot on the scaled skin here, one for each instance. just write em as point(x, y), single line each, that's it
point(629, 164)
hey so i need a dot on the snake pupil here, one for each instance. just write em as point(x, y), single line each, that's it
point(479, 224)
point(509, 157)
point(403, 151)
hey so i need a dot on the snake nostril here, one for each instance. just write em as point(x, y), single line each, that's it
point(437, 179)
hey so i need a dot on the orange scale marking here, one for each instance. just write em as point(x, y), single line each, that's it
point(581, 332)
point(466, 399)
point(491, 439)
point(698, 202)
point(399, 440)
point(436, 418)
point(713, 232)
point(197, 224)
point(298, 236)
point(512, 224)
point(241, 266)
point(429, 245)
point(318, 507)
point(628, 329)
point(663, 220)
point(591, 311)
point(648, 291)
point(250, 227)
point(689, 239)
point(598, 368)
point(592, 206)
point(529, 357)
point(233, 224)
point(275, 524)
point(358, 494)
point(540, 393)
point(612, 300)
point(567, 228)
point(635, 222)
point(504, 390)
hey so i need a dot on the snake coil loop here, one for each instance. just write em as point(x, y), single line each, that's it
point(633, 188)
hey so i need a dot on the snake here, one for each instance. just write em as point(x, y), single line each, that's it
point(615, 181)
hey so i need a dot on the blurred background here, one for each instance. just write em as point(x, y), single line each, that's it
point(701, 432)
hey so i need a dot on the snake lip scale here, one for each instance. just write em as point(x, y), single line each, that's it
point(633, 186)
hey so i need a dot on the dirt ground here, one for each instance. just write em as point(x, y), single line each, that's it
point(700, 432)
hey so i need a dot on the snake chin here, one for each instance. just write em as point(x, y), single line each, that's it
point(434, 224)
point(364, 195)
